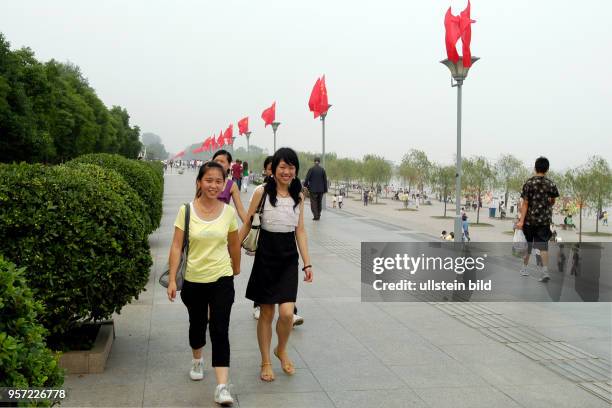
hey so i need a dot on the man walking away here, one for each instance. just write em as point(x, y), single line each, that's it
point(539, 194)
point(316, 183)
point(237, 174)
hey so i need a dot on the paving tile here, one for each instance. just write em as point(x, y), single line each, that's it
point(443, 374)
point(359, 374)
point(394, 398)
point(104, 395)
point(511, 373)
point(283, 400)
point(466, 397)
point(553, 396)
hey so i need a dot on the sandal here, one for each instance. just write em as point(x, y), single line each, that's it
point(287, 367)
point(266, 376)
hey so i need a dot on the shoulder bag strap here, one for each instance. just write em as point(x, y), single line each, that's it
point(187, 218)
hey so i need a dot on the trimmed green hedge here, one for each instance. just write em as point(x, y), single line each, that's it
point(25, 360)
point(139, 176)
point(79, 232)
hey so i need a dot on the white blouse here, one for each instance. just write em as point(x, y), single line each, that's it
point(283, 217)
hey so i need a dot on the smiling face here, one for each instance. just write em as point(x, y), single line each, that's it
point(211, 183)
point(285, 172)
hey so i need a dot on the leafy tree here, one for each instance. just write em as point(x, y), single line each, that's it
point(376, 170)
point(443, 178)
point(582, 188)
point(478, 173)
point(415, 168)
point(601, 179)
point(510, 172)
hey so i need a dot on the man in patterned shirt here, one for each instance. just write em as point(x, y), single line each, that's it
point(539, 194)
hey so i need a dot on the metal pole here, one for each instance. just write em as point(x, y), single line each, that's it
point(323, 115)
point(248, 135)
point(458, 226)
point(274, 130)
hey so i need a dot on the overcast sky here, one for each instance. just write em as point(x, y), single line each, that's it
point(186, 69)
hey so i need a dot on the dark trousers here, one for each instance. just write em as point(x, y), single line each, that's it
point(316, 202)
point(255, 304)
point(219, 297)
point(238, 182)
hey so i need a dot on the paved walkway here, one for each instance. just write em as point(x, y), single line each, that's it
point(354, 354)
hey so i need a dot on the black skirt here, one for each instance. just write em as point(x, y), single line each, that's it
point(274, 278)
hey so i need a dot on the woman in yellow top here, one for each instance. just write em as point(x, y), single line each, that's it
point(213, 260)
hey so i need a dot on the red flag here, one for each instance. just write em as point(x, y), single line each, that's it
point(179, 154)
point(318, 103)
point(465, 24)
point(228, 134)
point(220, 139)
point(269, 115)
point(206, 144)
point(459, 27)
point(243, 126)
point(213, 143)
point(197, 150)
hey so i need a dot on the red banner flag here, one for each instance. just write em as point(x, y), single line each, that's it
point(197, 150)
point(220, 139)
point(459, 27)
point(269, 115)
point(228, 135)
point(206, 144)
point(318, 103)
point(243, 126)
point(213, 143)
point(179, 154)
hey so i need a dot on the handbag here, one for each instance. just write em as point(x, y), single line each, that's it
point(250, 241)
point(182, 267)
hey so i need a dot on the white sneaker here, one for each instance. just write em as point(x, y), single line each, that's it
point(223, 396)
point(197, 370)
point(297, 320)
point(256, 311)
point(524, 271)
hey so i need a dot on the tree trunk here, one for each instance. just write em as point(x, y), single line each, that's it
point(506, 199)
point(445, 195)
point(580, 227)
point(597, 220)
point(478, 208)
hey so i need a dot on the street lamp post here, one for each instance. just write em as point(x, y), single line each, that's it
point(459, 74)
point(323, 116)
point(274, 127)
point(248, 135)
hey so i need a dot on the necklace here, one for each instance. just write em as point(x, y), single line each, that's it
point(283, 195)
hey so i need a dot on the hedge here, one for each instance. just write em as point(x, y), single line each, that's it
point(77, 232)
point(25, 360)
point(138, 176)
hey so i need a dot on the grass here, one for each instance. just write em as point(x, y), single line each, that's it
point(406, 209)
point(481, 224)
point(509, 232)
point(597, 234)
point(378, 203)
point(442, 217)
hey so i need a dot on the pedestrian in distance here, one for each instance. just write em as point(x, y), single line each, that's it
point(274, 277)
point(297, 319)
point(341, 199)
point(539, 194)
point(231, 190)
point(213, 261)
point(316, 183)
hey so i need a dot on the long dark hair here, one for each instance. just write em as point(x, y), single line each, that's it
point(203, 170)
point(295, 188)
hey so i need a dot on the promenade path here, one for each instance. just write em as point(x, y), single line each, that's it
point(350, 353)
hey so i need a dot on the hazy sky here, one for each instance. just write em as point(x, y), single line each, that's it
point(186, 69)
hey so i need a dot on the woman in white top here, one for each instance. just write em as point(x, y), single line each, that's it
point(274, 278)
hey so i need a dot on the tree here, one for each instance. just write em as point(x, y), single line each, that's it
point(510, 170)
point(478, 173)
point(154, 146)
point(415, 168)
point(376, 170)
point(601, 180)
point(582, 189)
point(442, 178)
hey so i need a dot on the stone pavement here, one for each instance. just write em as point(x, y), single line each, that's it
point(354, 354)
